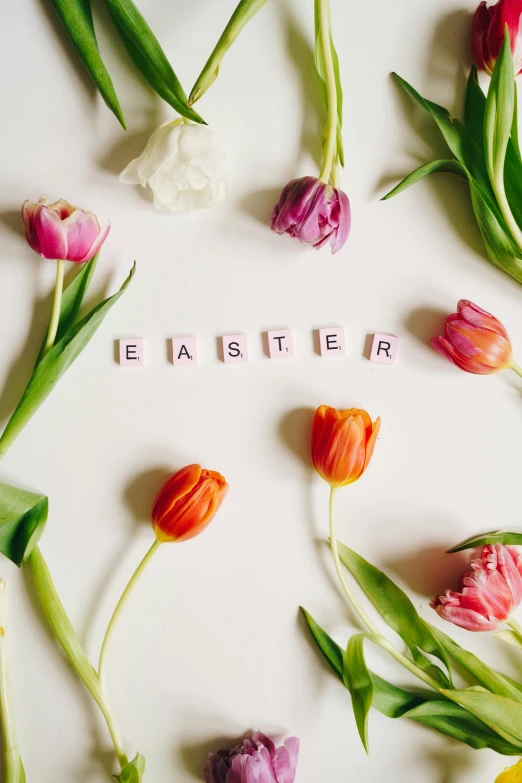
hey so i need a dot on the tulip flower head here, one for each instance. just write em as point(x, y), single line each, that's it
point(342, 444)
point(511, 774)
point(184, 166)
point(61, 231)
point(313, 212)
point(255, 760)
point(489, 592)
point(488, 30)
point(187, 503)
point(475, 341)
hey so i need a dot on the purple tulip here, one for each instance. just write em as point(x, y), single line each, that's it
point(256, 760)
point(313, 212)
point(62, 232)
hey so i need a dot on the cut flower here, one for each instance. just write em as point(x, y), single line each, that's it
point(255, 760)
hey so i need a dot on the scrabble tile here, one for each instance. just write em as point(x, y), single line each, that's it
point(384, 348)
point(235, 348)
point(132, 352)
point(332, 341)
point(184, 350)
point(281, 343)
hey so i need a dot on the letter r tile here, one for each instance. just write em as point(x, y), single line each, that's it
point(184, 350)
point(384, 348)
point(235, 348)
point(332, 341)
point(132, 352)
point(281, 344)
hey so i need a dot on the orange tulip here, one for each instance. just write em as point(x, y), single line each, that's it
point(342, 444)
point(187, 503)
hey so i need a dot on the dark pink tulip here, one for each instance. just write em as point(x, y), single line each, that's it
point(313, 212)
point(489, 593)
point(61, 231)
point(255, 760)
point(488, 30)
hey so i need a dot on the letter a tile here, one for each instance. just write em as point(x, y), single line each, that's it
point(184, 350)
point(132, 352)
point(384, 348)
point(235, 349)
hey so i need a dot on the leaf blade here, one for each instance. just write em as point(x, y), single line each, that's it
point(498, 117)
point(505, 537)
point(502, 715)
point(435, 167)
point(23, 516)
point(358, 680)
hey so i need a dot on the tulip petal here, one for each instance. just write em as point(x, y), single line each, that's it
point(344, 223)
point(96, 245)
point(51, 234)
point(163, 142)
point(81, 229)
point(28, 209)
point(285, 761)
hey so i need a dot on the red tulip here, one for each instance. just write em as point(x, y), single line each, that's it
point(488, 32)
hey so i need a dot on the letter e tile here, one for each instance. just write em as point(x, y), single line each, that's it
point(332, 341)
point(132, 352)
point(384, 348)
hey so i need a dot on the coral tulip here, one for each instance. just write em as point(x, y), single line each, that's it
point(488, 32)
point(342, 444)
point(186, 503)
point(489, 593)
point(60, 231)
point(255, 760)
point(313, 212)
point(475, 341)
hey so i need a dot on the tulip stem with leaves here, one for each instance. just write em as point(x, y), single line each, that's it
point(329, 69)
point(13, 766)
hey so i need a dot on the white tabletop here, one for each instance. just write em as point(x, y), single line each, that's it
point(211, 644)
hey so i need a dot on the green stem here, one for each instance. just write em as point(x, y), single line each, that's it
point(119, 607)
point(516, 627)
point(377, 636)
point(13, 767)
point(64, 632)
point(57, 303)
point(516, 368)
point(331, 91)
point(500, 193)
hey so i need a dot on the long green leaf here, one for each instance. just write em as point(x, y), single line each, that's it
point(55, 363)
point(320, 66)
point(359, 682)
point(474, 110)
point(243, 13)
point(498, 118)
point(22, 521)
point(330, 650)
point(149, 57)
point(76, 17)
point(396, 608)
point(499, 713)
point(485, 539)
point(436, 167)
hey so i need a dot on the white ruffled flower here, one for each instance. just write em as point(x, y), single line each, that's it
point(184, 166)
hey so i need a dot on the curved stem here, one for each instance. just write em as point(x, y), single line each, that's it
point(515, 626)
point(13, 767)
point(331, 91)
point(377, 636)
point(500, 193)
point(119, 606)
point(57, 303)
point(516, 368)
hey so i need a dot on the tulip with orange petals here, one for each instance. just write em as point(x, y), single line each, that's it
point(342, 444)
point(475, 341)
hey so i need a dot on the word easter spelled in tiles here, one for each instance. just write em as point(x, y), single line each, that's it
point(332, 343)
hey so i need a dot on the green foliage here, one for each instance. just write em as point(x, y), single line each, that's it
point(133, 771)
point(484, 539)
point(498, 116)
point(22, 521)
point(358, 680)
point(319, 64)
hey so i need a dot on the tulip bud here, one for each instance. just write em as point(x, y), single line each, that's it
point(187, 503)
point(475, 341)
point(313, 212)
point(255, 760)
point(488, 32)
point(61, 231)
point(342, 444)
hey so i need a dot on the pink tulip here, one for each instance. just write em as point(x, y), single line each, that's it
point(255, 760)
point(313, 212)
point(61, 231)
point(488, 31)
point(489, 593)
point(475, 341)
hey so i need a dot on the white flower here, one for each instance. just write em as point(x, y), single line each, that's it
point(184, 166)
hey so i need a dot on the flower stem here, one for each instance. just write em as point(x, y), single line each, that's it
point(119, 607)
point(516, 368)
point(515, 626)
point(65, 634)
point(330, 132)
point(377, 636)
point(57, 303)
point(13, 767)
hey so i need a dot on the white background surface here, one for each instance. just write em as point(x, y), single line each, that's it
point(211, 644)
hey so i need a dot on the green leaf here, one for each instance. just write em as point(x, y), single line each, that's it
point(330, 650)
point(144, 48)
point(474, 110)
point(511, 638)
point(486, 539)
point(55, 363)
point(499, 713)
point(398, 611)
point(133, 771)
point(498, 118)
point(22, 521)
point(243, 13)
point(359, 682)
point(515, 139)
point(319, 64)
point(436, 167)
point(76, 17)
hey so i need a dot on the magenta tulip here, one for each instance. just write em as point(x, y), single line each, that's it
point(488, 32)
point(313, 212)
point(255, 760)
point(61, 231)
